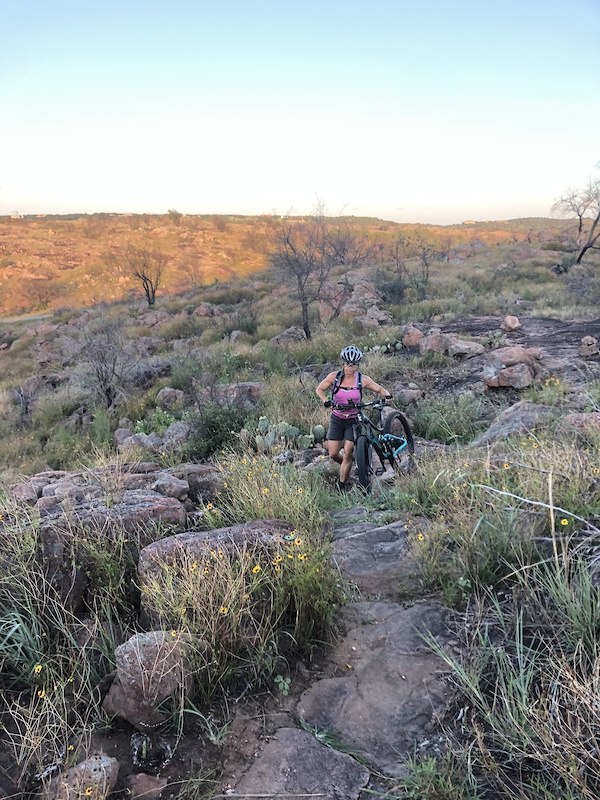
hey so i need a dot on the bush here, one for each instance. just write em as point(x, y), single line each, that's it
point(449, 419)
point(292, 399)
point(213, 427)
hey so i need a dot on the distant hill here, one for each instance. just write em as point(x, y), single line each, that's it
point(74, 260)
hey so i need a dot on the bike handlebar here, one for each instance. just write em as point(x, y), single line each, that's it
point(353, 406)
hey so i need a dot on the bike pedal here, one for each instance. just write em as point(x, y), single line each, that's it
point(379, 470)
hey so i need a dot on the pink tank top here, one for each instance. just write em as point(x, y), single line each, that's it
point(344, 396)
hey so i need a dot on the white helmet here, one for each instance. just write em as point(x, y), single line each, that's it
point(351, 355)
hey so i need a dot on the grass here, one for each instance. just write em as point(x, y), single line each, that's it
point(450, 419)
point(504, 535)
point(251, 606)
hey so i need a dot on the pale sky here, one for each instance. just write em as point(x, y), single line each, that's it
point(435, 112)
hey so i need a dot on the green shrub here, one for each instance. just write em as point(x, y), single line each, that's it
point(64, 447)
point(449, 419)
point(292, 399)
point(559, 247)
point(102, 428)
point(156, 422)
point(49, 409)
point(213, 427)
point(184, 326)
point(184, 371)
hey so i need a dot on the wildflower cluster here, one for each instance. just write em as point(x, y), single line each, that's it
point(255, 488)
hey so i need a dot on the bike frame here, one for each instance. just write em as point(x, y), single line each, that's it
point(386, 445)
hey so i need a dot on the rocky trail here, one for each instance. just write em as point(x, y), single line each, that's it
point(348, 721)
point(378, 694)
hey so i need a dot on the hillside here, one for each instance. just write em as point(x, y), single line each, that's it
point(195, 613)
point(189, 605)
point(78, 260)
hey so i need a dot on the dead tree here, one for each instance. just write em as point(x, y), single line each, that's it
point(584, 204)
point(300, 259)
point(146, 266)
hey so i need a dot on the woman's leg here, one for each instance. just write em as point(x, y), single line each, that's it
point(333, 448)
point(347, 461)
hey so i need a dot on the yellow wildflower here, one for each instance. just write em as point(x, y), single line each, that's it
point(256, 568)
point(37, 669)
point(223, 610)
point(564, 521)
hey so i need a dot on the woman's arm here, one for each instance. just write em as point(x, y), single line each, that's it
point(369, 383)
point(324, 385)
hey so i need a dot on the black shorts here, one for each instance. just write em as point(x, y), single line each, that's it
point(340, 429)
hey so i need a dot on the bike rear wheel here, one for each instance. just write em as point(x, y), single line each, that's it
point(402, 446)
point(363, 455)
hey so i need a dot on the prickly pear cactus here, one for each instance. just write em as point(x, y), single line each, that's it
point(263, 424)
point(318, 433)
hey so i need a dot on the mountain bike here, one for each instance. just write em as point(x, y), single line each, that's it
point(390, 437)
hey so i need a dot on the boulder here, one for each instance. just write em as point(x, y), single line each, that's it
point(195, 545)
point(588, 347)
point(169, 398)
point(170, 486)
point(411, 336)
point(522, 417)
point(510, 323)
point(95, 777)
point(460, 347)
point(580, 425)
point(295, 764)
point(515, 367)
point(388, 690)
point(435, 343)
point(519, 376)
point(292, 334)
point(150, 668)
point(245, 394)
point(176, 435)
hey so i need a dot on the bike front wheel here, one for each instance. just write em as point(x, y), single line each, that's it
point(363, 453)
point(398, 439)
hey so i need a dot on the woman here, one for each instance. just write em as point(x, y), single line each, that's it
point(347, 385)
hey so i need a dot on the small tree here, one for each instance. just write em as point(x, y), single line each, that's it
point(103, 359)
point(306, 250)
point(300, 259)
point(41, 291)
point(584, 204)
point(146, 266)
